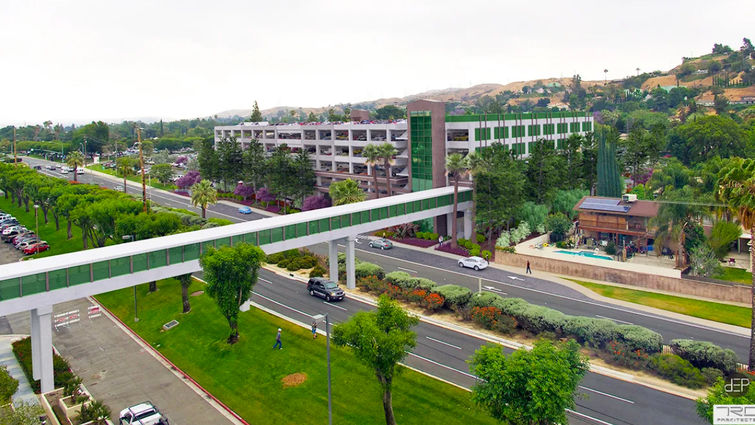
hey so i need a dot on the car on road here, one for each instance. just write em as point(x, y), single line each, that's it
point(63, 170)
point(323, 288)
point(37, 167)
point(36, 247)
point(142, 414)
point(79, 171)
point(50, 167)
point(245, 210)
point(477, 263)
point(118, 187)
point(381, 244)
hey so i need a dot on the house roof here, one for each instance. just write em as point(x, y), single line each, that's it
point(635, 209)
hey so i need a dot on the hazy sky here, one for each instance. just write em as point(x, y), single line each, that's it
point(74, 61)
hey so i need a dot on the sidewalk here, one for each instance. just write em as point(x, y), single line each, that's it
point(24, 393)
point(560, 280)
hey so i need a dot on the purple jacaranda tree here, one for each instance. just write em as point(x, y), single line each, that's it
point(244, 190)
point(189, 179)
point(315, 202)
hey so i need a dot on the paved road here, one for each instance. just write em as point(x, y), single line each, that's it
point(443, 352)
point(119, 372)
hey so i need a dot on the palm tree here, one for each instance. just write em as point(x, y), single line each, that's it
point(75, 159)
point(185, 280)
point(675, 217)
point(456, 167)
point(737, 188)
point(371, 154)
point(125, 165)
point(346, 192)
point(387, 152)
point(203, 194)
point(475, 164)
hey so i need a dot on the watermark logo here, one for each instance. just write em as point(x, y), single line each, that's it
point(742, 414)
point(737, 386)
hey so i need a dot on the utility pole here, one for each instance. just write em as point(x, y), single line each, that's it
point(15, 156)
point(141, 162)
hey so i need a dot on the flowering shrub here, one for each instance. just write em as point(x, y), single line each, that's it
point(486, 316)
point(395, 292)
point(264, 195)
point(315, 202)
point(620, 355)
point(244, 191)
point(371, 283)
point(416, 296)
point(189, 179)
point(433, 302)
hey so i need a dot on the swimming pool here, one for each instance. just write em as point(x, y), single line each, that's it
point(586, 254)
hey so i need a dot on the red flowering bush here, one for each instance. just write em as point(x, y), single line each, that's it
point(395, 292)
point(416, 296)
point(372, 284)
point(620, 355)
point(486, 316)
point(433, 302)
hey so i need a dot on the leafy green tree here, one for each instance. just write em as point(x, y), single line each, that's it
point(698, 140)
point(703, 261)
point(162, 172)
point(380, 339)
point(202, 195)
point(723, 234)
point(475, 163)
point(641, 150)
point(75, 160)
point(125, 166)
point(346, 192)
point(371, 154)
point(544, 172)
point(565, 200)
point(96, 135)
point(254, 164)
point(717, 394)
point(558, 224)
point(589, 165)
point(533, 214)
point(528, 387)
point(231, 273)
point(456, 168)
point(209, 164)
point(185, 280)
point(737, 182)
point(387, 152)
point(230, 162)
point(390, 112)
point(303, 176)
point(256, 114)
point(281, 173)
point(23, 413)
point(678, 212)
point(500, 191)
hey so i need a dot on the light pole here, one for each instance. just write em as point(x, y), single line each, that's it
point(36, 222)
point(15, 156)
point(318, 318)
point(141, 162)
point(132, 238)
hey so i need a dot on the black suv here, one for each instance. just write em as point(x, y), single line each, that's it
point(320, 287)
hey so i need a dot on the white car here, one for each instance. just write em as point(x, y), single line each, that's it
point(79, 171)
point(141, 414)
point(64, 170)
point(477, 263)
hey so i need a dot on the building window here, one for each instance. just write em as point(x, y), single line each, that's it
point(562, 128)
point(533, 130)
point(574, 127)
point(587, 126)
point(549, 128)
point(422, 150)
point(517, 131)
point(482, 133)
point(501, 132)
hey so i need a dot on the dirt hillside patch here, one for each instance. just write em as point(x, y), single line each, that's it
point(294, 380)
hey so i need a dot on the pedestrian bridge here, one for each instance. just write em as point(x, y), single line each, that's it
point(38, 284)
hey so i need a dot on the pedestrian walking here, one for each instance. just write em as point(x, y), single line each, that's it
point(440, 240)
point(278, 340)
point(314, 329)
point(529, 270)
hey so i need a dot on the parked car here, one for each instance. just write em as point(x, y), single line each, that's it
point(142, 414)
point(26, 243)
point(118, 187)
point(245, 210)
point(321, 287)
point(63, 170)
point(477, 263)
point(21, 236)
point(11, 233)
point(36, 248)
point(381, 244)
point(50, 167)
point(37, 167)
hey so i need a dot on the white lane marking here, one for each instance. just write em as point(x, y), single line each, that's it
point(493, 289)
point(407, 270)
point(606, 394)
point(283, 305)
point(333, 305)
point(515, 278)
point(264, 280)
point(609, 306)
point(442, 365)
point(443, 342)
point(615, 320)
point(582, 415)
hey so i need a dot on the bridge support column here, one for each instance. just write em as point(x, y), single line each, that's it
point(43, 355)
point(351, 281)
point(468, 228)
point(449, 224)
point(333, 259)
point(35, 343)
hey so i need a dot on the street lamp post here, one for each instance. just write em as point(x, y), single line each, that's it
point(15, 155)
point(318, 318)
point(136, 315)
point(36, 222)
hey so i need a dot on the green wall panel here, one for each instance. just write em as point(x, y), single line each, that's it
point(314, 227)
point(100, 270)
point(157, 259)
point(33, 284)
point(237, 239)
point(78, 275)
point(140, 262)
point(175, 255)
point(301, 229)
point(119, 266)
point(191, 252)
point(221, 242)
point(290, 232)
point(324, 225)
point(9, 289)
point(264, 237)
point(57, 279)
point(276, 234)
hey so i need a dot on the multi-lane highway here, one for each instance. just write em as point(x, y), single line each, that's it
point(443, 352)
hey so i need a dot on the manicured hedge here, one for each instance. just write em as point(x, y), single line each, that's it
point(400, 279)
point(484, 299)
point(455, 295)
point(705, 354)
point(61, 369)
point(422, 283)
point(365, 269)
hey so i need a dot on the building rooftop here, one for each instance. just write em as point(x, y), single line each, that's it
point(617, 206)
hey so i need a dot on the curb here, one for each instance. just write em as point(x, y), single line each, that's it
point(188, 380)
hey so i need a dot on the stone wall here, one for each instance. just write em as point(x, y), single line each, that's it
point(718, 291)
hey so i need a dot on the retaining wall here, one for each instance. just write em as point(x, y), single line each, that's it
point(717, 291)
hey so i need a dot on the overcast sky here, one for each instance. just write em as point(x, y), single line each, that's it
point(78, 61)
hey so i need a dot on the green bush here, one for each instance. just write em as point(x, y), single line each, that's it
point(432, 236)
point(283, 263)
point(274, 258)
point(455, 295)
point(640, 338)
point(484, 299)
point(317, 271)
point(8, 385)
point(711, 375)
point(474, 252)
point(420, 235)
point(291, 253)
point(479, 238)
point(422, 283)
point(704, 354)
point(677, 370)
point(365, 269)
point(486, 255)
point(611, 248)
point(61, 368)
point(294, 264)
point(307, 262)
point(400, 279)
point(589, 331)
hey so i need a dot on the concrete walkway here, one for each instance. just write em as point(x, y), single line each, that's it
point(24, 393)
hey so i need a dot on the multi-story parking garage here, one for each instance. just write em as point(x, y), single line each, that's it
point(422, 141)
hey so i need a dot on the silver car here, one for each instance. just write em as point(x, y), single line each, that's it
point(477, 263)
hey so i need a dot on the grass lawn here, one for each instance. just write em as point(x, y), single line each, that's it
point(718, 312)
point(56, 238)
point(135, 178)
point(733, 274)
point(247, 376)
